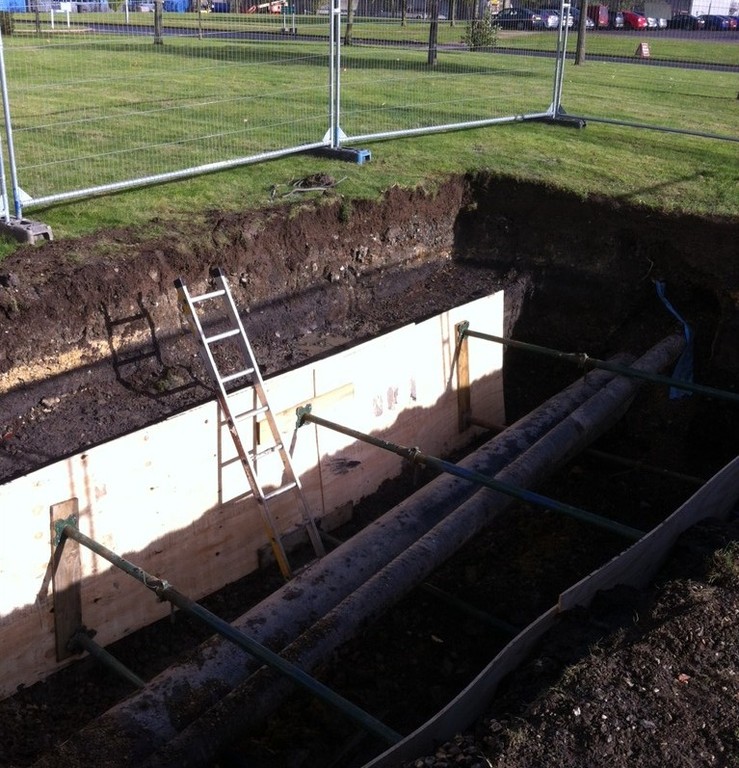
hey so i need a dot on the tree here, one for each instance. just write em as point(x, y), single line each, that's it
point(482, 32)
point(581, 27)
point(433, 32)
point(349, 22)
point(7, 23)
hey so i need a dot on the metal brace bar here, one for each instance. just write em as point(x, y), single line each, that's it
point(164, 591)
point(415, 456)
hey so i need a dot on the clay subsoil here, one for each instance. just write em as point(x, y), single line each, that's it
point(93, 347)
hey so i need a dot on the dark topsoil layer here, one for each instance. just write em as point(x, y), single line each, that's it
point(93, 348)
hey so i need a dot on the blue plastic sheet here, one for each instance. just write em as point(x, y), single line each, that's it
point(684, 367)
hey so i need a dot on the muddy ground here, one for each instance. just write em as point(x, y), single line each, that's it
point(92, 347)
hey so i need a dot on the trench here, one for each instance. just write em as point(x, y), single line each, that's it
point(513, 571)
point(294, 729)
point(447, 629)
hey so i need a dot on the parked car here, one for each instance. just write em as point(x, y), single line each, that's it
point(686, 21)
point(651, 22)
point(633, 20)
point(616, 20)
point(549, 18)
point(519, 18)
point(599, 15)
point(715, 22)
point(733, 22)
point(589, 23)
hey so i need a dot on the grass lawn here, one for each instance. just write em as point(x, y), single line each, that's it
point(89, 121)
point(706, 49)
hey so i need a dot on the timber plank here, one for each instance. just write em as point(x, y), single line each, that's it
point(66, 578)
point(171, 498)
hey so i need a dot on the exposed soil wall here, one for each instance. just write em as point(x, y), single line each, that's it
point(92, 344)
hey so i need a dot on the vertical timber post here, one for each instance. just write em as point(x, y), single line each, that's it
point(65, 573)
point(464, 400)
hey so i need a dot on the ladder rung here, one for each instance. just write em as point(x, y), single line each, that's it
point(206, 296)
point(252, 412)
point(246, 457)
point(280, 491)
point(265, 451)
point(221, 336)
point(237, 375)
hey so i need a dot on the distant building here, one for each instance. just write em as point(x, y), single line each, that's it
point(414, 9)
point(699, 7)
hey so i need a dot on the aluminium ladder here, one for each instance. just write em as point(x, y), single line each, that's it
point(247, 373)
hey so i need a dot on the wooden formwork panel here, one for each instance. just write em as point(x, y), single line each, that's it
point(173, 499)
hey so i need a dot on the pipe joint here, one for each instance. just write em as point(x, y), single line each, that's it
point(302, 413)
point(60, 525)
point(159, 587)
point(462, 329)
point(77, 643)
point(585, 361)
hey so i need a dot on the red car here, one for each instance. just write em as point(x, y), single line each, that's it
point(633, 20)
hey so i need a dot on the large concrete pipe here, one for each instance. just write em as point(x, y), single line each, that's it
point(248, 705)
point(154, 716)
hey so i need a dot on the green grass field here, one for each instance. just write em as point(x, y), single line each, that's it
point(274, 94)
point(661, 47)
point(705, 49)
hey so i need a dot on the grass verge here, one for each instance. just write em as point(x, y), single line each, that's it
point(666, 171)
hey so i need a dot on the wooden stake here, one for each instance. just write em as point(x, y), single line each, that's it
point(464, 398)
point(66, 572)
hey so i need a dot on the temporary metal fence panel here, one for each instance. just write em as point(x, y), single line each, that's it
point(690, 76)
point(99, 98)
point(439, 74)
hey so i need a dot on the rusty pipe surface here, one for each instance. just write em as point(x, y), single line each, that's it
point(154, 716)
point(251, 702)
point(521, 493)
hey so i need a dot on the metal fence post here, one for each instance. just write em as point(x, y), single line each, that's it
point(9, 139)
point(335, 134)
point(560, 56)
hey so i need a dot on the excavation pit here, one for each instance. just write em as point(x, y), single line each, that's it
point(95, 347)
